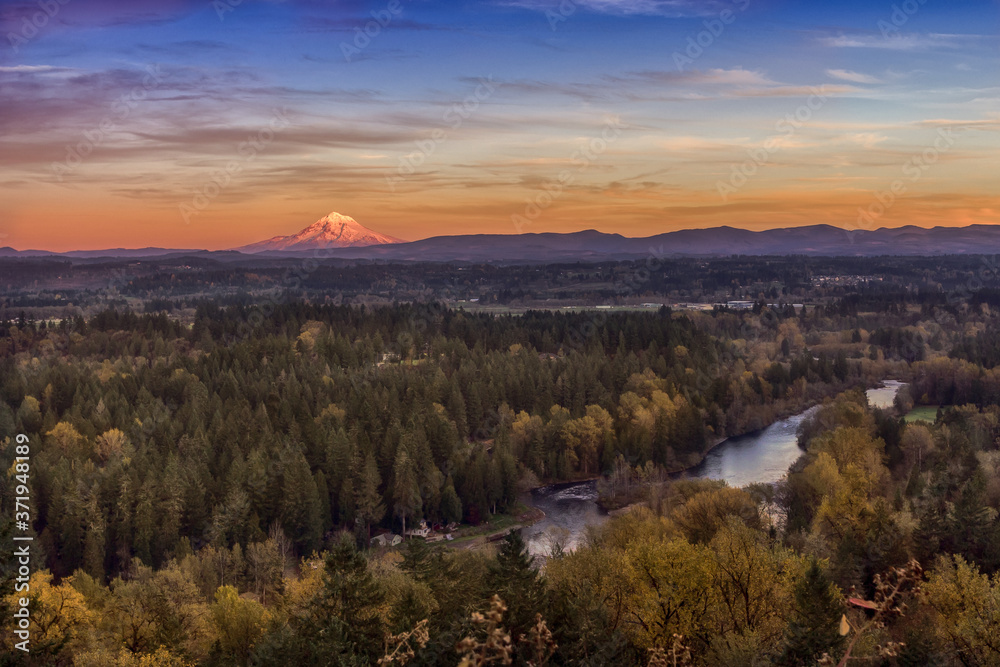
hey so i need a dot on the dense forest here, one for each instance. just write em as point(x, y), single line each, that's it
point(205, 488)
point(309, 421)
point(61, 287)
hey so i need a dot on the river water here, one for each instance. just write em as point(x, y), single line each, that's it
point(569, 509)
point(763, 456)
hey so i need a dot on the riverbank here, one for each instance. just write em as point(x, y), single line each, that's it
point(476, 537)
point(615, 505)
point(762, 455)
point(782, 415)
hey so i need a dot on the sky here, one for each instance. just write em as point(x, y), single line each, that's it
point(214, 124)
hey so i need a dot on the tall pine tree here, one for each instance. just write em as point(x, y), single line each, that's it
point(370, 508)
point(514, 577)
point(405, 491)
point(814, 628)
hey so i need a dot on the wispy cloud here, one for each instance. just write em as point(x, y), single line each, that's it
point(675, 86)
point(793, 91)
point(897, 42)
point(347, 24)
point(853, 77)
point(666, 8)
point(31, 69)
point(735, 76)
point(867, 139)
point(100, 13)
point(980, 124)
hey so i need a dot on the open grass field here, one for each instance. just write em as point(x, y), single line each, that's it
point(925, 413)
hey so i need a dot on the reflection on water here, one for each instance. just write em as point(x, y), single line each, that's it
point(569, 509)
point(763, 456)
point(883, 396)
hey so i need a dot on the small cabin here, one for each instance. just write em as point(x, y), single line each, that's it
point(423, 531)
point(386, 540)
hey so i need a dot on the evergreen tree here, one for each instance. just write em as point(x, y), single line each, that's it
point(418, 559)
point(930, 530)
point(451, 504)
point(814, 626)
point(93, 547)
point(300, 506)
point(347, 502)
point(919, 650)
point(323, 491)
point(342, 626)
point(405, 492)
point(370, 508)
point(514, 577)
point(971, 518)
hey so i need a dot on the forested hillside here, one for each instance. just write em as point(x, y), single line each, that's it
point(157, 437)
point(205, 493)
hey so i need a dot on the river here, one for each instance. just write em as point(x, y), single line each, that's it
point(763, 456)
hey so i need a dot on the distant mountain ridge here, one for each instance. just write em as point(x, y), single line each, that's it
point(591, 245)
point(121, 253)
point(342, 237)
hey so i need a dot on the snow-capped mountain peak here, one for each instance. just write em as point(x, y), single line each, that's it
point(331, 231)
